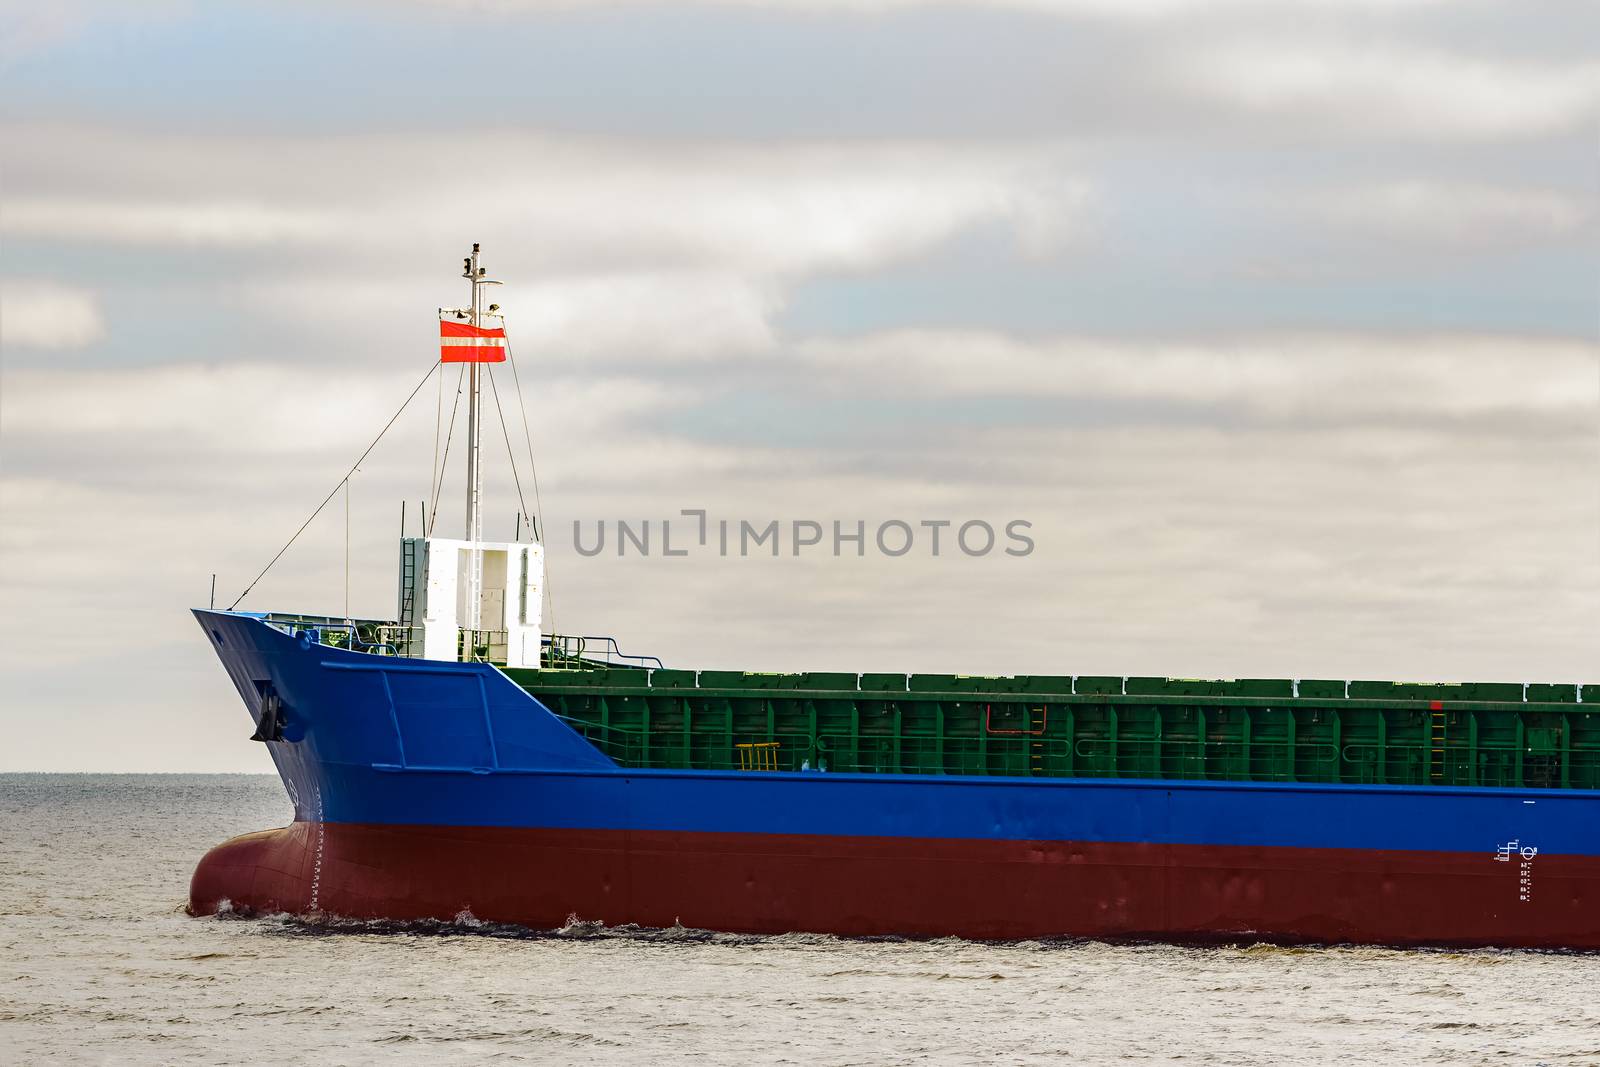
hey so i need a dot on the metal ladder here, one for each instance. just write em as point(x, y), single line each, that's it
point(1437, 754)
point(1036, 727)
point(408, 589)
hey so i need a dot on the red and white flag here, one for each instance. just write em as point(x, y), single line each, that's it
point(460, 342)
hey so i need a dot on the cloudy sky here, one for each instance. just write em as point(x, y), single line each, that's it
point(1276, 320)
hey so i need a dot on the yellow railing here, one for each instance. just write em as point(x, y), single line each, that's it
point(758, 756)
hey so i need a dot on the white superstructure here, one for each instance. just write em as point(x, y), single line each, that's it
point(444, 621)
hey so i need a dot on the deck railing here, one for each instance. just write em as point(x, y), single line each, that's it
point(387, 637)
point(1085, 757)
point(360, 635)
point(572, 650)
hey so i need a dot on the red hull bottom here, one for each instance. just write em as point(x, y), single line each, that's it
point(988, 890)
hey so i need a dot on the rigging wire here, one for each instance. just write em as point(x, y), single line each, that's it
point(533, 470)
point(438, 423)
point(347, 548)
point(438, 485)
point(495, 392)
point(527, 436)
point(337, 486)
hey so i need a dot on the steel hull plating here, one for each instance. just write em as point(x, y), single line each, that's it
point(770, 883)
point(429, 790)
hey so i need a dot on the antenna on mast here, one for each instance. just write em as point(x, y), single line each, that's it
point(474, 275)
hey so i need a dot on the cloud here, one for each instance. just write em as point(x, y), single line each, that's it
point(268, 411)
point(36, 313)
point(191, 222)
point(631, 249)
point(1110, 9)
point(28, 29)
point(576, 203)
point(1452, 214)
point(666, 316)
point(1319, 378)
point(1394, 89)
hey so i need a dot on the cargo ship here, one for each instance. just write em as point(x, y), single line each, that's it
point(458, 760)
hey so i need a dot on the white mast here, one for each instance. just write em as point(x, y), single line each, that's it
point(474, 535)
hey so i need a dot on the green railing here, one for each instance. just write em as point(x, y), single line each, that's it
point(1487, 763)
